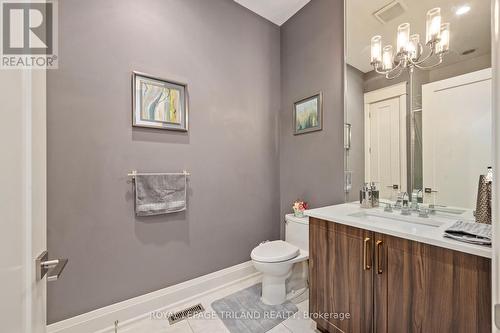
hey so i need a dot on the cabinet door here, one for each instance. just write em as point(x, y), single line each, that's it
point(424, 288)
point(341, 265)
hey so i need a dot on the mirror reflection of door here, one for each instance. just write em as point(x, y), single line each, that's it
point(385, 139)
point(456, 137)
point(447, 131)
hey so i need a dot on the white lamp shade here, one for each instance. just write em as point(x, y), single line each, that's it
point(403, 37)
point(387, 58)
point(433, 25)
point(444, 42)
point(376, 49)
point(414, 46)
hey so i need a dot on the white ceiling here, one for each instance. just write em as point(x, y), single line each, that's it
point(276, 11)
point(468, 31)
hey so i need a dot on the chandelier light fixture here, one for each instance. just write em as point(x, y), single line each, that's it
point(409, 52)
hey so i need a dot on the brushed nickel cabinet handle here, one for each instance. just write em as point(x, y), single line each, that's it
point(367, 261)
point(379, 245)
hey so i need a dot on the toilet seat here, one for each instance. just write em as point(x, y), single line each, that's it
point(275, 251)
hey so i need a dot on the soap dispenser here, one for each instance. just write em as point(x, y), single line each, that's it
point(365, 196)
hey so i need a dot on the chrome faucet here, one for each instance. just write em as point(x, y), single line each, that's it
point(417, 196)
point(387, 206)
point(399, 201)
point(433, 208)
point(406, 198)
point(423, 212)
point(405, 208)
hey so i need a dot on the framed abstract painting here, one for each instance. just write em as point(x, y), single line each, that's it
point(159, 103)
point(308, 114)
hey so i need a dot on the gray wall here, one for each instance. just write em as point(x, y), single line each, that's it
point(311, 165)
point(356, 117)
point(230, 59)
point(463, 67)
point(374, 81)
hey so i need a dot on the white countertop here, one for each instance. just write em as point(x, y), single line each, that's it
point(427, 234)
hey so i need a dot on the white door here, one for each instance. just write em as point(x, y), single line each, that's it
point(385, 139)
point(22, 200)
point(385, 166)
point(456, 134)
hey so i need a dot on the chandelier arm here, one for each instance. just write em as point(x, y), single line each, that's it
point(376, 67)
point(426, 67)
point(378, 71)
point(389, 77)
point(386, 72)
point(427, 57)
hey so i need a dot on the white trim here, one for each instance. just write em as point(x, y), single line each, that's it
point(461, 80)
point(495, 61)
point(396, 90)
point(137, 308)
point(385, 93)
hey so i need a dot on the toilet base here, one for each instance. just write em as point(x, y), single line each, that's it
point(275, 275)
point(274, 289)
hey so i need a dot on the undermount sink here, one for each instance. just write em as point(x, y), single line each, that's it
point(448, 210)
point(414, 222)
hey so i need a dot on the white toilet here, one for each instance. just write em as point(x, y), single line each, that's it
point(275, 259)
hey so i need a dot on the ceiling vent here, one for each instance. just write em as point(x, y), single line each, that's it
point(390, 11)
point(469, 51)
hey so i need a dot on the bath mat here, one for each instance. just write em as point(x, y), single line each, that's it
point(244, 312)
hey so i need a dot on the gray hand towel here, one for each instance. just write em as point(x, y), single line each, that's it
point(474, 233)
point(159, 194)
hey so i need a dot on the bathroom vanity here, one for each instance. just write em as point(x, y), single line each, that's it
point(373, 271)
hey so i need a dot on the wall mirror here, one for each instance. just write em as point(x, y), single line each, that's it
point(418, 98)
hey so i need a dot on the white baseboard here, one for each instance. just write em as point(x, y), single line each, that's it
point(137, 308)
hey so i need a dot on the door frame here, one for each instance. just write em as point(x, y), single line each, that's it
point(396, 90)
point(495, 62)
point(24, 208)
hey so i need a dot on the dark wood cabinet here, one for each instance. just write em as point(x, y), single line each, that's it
point(339, 284)
point(392, 285)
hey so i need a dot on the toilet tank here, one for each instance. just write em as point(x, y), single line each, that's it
point(297, 231)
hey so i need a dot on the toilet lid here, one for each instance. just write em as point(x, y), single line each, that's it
point(274, 251)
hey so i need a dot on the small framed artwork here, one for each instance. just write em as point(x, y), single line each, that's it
point(159, 103)
point(308, 114)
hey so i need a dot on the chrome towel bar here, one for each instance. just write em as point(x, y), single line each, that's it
point(135, 173)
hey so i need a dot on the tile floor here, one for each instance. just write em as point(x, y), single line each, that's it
point(211, 324)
